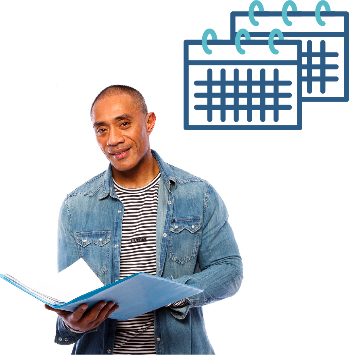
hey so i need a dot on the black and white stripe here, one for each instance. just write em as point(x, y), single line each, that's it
point(138, 253)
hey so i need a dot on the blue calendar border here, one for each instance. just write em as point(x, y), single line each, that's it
point(345, 34)
point(212, 43)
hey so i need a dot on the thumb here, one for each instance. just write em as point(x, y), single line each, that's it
point(49, 308)
point(58, 311)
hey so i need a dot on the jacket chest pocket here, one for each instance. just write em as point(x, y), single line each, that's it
point(94, 248)
point(184, 239)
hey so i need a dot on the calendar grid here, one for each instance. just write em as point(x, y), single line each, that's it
point(249, 95)
point(309, 66)
point(230, 92)
point(223, 95)
point(263, 95)
point(237, 95)
point(326, 80)
point(209, 95)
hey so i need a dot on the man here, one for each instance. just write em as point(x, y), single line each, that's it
point(144, 215)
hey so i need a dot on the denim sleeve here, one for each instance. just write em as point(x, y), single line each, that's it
point(67, 254)
point(67, 248)
point(65, 337)
point(219, 258)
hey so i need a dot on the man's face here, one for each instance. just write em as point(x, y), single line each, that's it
point(122, 130)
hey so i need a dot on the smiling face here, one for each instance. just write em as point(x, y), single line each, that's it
point(122, 133)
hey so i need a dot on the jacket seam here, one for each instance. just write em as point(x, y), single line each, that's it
point(207, 193)
point(68, 211)
point(175, 178)
point(88, 193)
point(180, 181)
point(75, 191)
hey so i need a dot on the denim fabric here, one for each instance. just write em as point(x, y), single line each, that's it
point(195, 245)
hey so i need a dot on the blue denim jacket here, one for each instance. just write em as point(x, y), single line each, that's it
point(201, 251)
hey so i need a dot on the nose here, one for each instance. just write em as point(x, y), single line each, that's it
point(115, 136)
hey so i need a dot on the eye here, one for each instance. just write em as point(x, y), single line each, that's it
point(125, 124)
point(100, 131)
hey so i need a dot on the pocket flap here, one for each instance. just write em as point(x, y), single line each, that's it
point(192, 224)
point(99, 238)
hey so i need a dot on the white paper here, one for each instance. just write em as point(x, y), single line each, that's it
point(72, 282)
point(76, 280)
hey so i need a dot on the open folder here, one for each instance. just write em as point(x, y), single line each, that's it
point(137, 294)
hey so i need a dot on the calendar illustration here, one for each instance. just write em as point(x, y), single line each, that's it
point(256, 90)
point(272, 63)
point(325, 49)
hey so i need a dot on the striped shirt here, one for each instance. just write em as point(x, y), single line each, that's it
point(138, 253)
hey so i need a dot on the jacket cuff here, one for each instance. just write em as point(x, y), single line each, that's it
point(71, 330)
point(181, 312)
point(198, 299)
point(66, 337)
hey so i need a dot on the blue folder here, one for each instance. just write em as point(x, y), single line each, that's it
point(137, 294)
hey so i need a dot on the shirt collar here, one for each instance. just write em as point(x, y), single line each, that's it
point(167, 176)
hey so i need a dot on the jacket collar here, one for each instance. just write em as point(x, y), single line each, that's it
point(167, 176)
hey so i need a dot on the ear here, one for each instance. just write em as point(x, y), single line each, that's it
point(150, 122)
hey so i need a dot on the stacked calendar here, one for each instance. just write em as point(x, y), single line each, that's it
point(260, 82)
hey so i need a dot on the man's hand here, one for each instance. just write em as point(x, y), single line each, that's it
point(83, 321)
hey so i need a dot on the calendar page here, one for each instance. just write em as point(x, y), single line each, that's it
point(257, 90)
point(325, 68)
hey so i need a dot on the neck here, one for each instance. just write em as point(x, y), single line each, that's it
point(141, 175)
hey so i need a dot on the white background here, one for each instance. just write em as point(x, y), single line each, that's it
point(286, 191)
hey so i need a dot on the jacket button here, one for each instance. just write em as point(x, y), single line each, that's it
point(169, 202)
point(165, 235)
point(158, 339)
point(66, 339)
point(108, 351)
point(119, 211)
point(60, 339)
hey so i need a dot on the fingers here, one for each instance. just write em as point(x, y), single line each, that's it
point(84, 320)
point(113, 309)
point(105, 312)
point(79, 312)
point(109, 308)
point(94, 312)
point(98, 312)
point(76, 315)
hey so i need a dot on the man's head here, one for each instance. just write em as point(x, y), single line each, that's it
point(122, 126)
point(138, 99)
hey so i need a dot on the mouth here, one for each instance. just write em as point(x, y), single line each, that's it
point(119, 153)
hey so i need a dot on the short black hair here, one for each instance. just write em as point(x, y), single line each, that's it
point(123, 89)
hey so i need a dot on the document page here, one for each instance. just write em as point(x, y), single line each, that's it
point(72, 282)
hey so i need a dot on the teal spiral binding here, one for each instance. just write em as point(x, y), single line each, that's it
point(251, 11)
point(287, 4)
point(254, 22)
